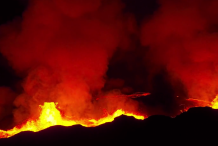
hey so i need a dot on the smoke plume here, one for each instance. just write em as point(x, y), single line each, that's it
point(61, 48)
point(182, 36)
point(64, 50)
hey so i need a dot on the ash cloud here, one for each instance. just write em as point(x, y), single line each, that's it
point(61, 48)
point(182, 36)
point(77, 52)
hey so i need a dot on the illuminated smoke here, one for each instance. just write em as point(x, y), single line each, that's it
point(62, 48)
point(182, 36)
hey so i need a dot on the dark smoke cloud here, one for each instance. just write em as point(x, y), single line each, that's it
point(6, 99)
point(61, 48)
point(182, 36)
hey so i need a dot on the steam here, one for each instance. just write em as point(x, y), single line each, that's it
point(62, 49)
point(182, 36)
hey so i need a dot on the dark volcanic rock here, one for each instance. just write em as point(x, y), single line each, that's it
point(190, 128)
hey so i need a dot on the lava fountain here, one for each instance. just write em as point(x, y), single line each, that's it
point(51, 116)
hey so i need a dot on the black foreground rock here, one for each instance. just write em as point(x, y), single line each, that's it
point(196, 127)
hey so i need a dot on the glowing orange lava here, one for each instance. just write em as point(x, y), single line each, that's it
point(51, 116)
point(214, 103)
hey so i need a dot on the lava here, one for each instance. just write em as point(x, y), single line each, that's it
point(51, 116)
point(214, 103)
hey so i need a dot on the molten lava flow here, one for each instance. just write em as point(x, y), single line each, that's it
point(51, 116)
point(214, 103)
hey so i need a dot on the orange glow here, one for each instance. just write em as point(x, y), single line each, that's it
point(51, 116)
point(214, 103)
point(201, 103)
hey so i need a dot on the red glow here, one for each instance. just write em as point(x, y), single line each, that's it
point(51, 116)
